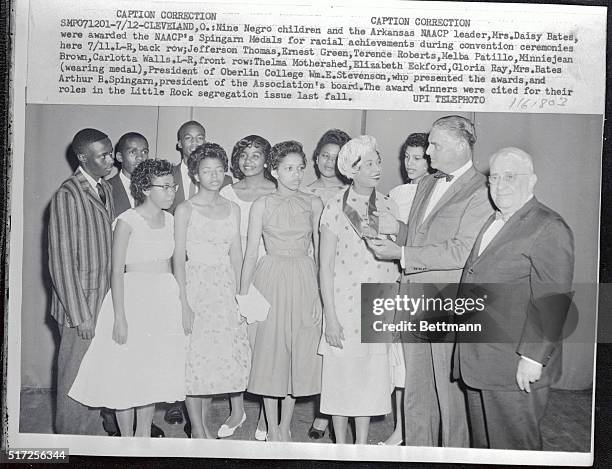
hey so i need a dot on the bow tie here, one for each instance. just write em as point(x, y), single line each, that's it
point(441, 174)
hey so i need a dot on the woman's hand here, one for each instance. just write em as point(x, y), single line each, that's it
point(188, 317)
point(120, 330)
point(334, 332)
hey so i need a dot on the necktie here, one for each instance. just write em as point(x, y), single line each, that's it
point(442, 174)
point(101, 194)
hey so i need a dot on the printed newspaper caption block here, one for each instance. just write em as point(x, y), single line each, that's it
point(463, 57)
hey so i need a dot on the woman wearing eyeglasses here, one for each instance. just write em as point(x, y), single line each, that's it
point(207, 263)
point(138, 336)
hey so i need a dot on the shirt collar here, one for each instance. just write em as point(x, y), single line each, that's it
point(124, 178)
point(461, 171)
point(507, 216)
point(90, 180)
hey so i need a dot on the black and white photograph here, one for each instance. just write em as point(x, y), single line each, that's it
point(189, 275)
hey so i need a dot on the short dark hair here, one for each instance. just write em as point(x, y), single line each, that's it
point(332, 136)
point(188, 124)
point(85, 137)
point(282, 149)
point(122, 142)
point(208, 150)
point(246, 142)
point(460, 126)
point(143, 175)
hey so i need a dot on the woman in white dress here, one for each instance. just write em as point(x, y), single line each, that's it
point(138, 336)
point(415, 164)
point(355, 376)
point(250, 164)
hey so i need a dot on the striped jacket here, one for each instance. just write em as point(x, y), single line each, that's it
point(80, 240)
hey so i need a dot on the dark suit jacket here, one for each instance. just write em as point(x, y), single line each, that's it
point(120, 198)
point(528, 267)
point(180, 194)
point(80, 237)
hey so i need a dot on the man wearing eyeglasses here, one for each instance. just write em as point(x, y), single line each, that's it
point(449, 209)
point(524, 258)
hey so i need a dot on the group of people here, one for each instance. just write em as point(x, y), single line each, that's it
point(147, 302)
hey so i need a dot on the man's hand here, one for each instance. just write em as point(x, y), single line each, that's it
point(387, 224)
point(527, 372)
point(384, 249)
point(86, 329)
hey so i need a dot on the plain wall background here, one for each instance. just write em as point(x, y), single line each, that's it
point(566, 151)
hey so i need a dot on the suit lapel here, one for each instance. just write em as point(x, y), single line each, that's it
point(421, 199)
point(509, 229)
point(459, 184)
point(93, 196)
point(178, 179)
point(474, 253)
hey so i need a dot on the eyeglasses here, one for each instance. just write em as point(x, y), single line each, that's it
point(508, 178)
point(167, 187)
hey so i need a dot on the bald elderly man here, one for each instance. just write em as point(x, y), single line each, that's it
point(523, 261)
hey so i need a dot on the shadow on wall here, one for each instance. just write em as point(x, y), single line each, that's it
point(46, 280)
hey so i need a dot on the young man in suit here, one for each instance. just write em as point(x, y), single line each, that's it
point(80, 238)
point(524, 258)
point(448, 210)
point(189, 136)
point(131, 149)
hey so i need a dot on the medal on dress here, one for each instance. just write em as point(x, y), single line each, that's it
point(365, 228)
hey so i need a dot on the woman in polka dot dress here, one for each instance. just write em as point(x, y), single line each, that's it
point(355, 378)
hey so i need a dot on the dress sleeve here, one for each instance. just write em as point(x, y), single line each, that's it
point(127, 217)
point(331, 216)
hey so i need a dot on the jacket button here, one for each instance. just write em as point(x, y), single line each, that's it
point(470, 271)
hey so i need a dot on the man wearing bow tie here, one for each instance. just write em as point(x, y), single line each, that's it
point(80, 234)
point(524, 258)
point(449, 209)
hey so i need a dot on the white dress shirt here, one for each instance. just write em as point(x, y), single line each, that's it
point(186, 179)
point(126, 185)
point(90, 180)
point(442, 185)
point(440, 188)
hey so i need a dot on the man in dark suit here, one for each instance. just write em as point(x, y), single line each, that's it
point(523, 259)
point(189, 136)
point(131, 149)
point(448, 210)
point(80, 237)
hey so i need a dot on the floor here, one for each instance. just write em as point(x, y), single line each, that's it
point(566, 425)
